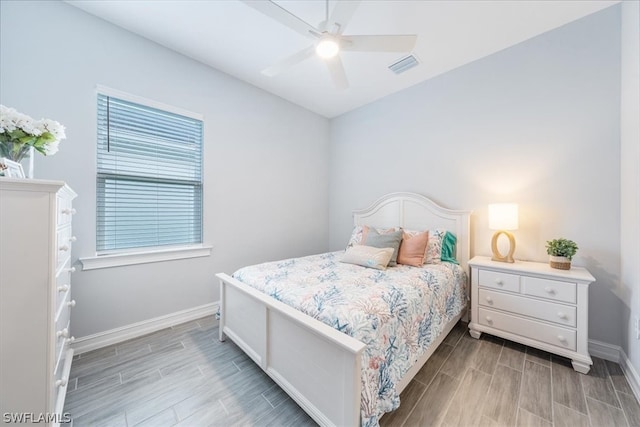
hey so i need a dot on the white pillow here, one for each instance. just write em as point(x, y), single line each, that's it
point(368, 256)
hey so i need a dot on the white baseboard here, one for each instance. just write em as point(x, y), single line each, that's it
point(632, 375)
point(616, 354)
point(605, 351)
point(134, 330)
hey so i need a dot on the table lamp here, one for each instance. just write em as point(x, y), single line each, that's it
point(503, 217)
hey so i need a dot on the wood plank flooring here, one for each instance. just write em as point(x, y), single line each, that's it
point(492, 382)
point(182, 376)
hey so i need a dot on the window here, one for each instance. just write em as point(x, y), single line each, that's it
point(149, 181)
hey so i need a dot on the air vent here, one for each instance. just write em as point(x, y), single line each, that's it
point(404, 64)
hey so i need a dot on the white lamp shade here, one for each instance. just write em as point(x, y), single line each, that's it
point(503, 216)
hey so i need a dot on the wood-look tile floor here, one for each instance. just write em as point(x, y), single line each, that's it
point(182, 376)
point(493, 382)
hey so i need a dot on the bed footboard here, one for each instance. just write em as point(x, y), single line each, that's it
point(316, 365)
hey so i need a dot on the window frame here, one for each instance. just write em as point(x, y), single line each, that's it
point(139, 255)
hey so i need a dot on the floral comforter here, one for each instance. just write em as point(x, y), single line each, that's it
point(397, 313)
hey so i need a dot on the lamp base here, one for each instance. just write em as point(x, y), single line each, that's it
point(497, 256)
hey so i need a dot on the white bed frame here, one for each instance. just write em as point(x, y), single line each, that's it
point(315, 364)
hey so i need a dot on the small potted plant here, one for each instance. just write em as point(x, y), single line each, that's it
point(561, 252)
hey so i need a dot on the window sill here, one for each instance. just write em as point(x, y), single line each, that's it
point(144, 257)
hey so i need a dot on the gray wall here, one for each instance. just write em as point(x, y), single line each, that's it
point(537, 124)
point(630, 179)
point(265, 159)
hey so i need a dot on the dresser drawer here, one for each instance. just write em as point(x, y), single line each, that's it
point(60, 377)
point(63, 311)
point(63, 246)
point(60, 358)
point(498, 280)
point(554, 335)
point(550, 289)
point(61, 329)
point(549, 311)
point(63, 285)
point(65, 210)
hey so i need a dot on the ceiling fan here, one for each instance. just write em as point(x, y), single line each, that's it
point(329, 38)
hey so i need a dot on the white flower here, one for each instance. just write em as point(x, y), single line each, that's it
point(10, 120)
point(30, 127)
point(51, 126)
point(51, 148)
point(7, 119)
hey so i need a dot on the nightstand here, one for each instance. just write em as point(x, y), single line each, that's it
point(533, 304)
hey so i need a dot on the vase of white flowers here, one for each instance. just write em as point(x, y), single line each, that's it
point(21, 135)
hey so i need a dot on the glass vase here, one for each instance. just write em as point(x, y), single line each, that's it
point(17, 151)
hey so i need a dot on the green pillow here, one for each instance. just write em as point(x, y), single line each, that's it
point(387, 240)
point(449, 248)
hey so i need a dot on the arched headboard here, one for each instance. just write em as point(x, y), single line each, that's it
point(416, 212)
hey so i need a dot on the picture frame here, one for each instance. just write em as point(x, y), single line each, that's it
point(11, 169)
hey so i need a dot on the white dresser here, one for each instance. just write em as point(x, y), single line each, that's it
point(35, 299)
point(534, 304)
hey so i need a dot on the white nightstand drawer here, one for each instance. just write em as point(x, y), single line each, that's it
point(550, 289)
point(535, 304)
point(499, 280)
point(549, 311)
point(554, 335)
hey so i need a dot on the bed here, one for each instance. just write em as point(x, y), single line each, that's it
point(320, 367)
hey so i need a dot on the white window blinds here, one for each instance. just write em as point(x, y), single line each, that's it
point(149, 182)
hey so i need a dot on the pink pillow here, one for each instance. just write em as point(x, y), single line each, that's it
point(412, 249)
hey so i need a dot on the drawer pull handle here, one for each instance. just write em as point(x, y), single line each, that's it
point(71, 270)
point(561, 338)
point(499, 282)
point(562, 315)
point(61, 383)
point(63, 333)
point(489, 300)
point(64, 248)
point(71, 303)
point(73, 238)
point(489, 319)
point(63, 288)
point(550, 290)
point(71, 211)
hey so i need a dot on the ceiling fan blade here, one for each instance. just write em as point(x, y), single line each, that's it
point(338, 75)
point(341, 14)
point(282, 15)
point(392, 43)
point(289, 61)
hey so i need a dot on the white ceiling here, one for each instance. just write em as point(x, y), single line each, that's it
point(237, 39)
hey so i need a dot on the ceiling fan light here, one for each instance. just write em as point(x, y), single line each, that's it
point(327, 48)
